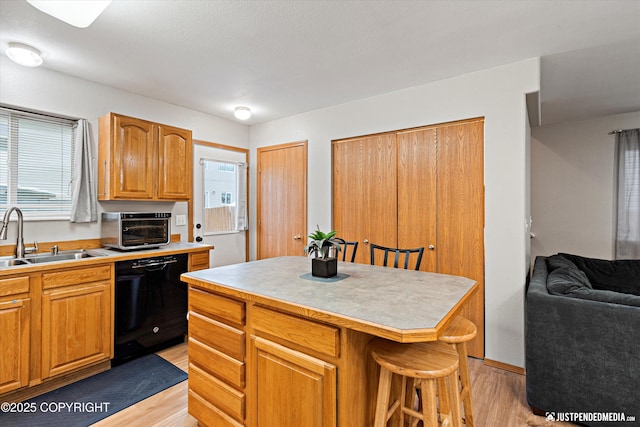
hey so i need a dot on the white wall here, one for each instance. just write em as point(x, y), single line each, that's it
point(498, 94)
point(52, 92)
point(573, 186)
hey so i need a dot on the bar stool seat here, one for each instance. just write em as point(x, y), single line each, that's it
point(457, 334)
point(432, 366)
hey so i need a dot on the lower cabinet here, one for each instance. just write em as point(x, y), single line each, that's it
point(254, 366)
point(198, 260)
point(77, 319)
point(15, 318)
point(217, 355)
point(282, 376)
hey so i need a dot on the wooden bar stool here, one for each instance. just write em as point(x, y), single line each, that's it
point(432, 366)
point(457, 334)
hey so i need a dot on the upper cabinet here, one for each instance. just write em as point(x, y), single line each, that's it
point(142, 160)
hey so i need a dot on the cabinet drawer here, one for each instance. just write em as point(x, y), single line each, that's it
point(198, 261)
point(313, 335)
point(217, 393)
point(217, 306)
point(217, 363)
point(76, 276)
point(14, 285)
point(207, 414)
point(224, 338)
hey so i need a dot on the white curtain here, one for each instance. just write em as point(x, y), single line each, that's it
point(242, 220)
point(83, 191)
point(628, 229)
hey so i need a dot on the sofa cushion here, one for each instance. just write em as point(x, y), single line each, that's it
point(567, 280)
point(607, 296)
point(559, 261)
point(618, 275)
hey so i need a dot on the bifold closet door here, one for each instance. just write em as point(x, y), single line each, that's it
point(365, 191)
point(417, 193)
point(460, 224)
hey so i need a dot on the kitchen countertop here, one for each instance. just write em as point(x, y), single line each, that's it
point(403, 305)
point(105, 255)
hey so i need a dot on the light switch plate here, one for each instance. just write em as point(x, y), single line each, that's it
point(181, 220)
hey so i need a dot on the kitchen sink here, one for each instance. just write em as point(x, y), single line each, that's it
point(60, 256)
point(10, 262)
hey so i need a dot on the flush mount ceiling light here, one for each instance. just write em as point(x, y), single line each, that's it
point(242, 113)
point(24, 54)
point(78, 13)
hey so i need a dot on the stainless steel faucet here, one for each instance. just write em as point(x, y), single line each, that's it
point(20, 248)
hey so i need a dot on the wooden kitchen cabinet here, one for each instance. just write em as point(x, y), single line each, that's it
point(283, 375)
point(198, 260)
point(15, 319)
point(143, 160)
point(250, 365)
point(284, 356)
point(287, 355)
point(77, 319)
point(217, 356)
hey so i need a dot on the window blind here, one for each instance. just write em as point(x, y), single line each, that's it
point(36, 162)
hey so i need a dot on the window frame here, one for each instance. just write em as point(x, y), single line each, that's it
point(223, 167)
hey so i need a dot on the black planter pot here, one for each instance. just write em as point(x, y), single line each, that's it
point(324, 267)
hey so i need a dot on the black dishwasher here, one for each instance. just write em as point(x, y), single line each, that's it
point(150, 305)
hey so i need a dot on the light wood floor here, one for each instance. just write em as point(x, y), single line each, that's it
point(498, 397)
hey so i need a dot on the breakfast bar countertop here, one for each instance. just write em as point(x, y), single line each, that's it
point(401, 305)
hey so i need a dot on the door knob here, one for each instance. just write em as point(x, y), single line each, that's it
point(297, 237)
point(431, 247)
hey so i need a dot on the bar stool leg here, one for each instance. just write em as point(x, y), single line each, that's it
point(429, 406)
point(465, 393)
point(382, 402)
point(454, 402)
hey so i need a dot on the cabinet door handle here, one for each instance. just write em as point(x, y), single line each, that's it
point(297, 237)
point(365, 241)
point(431, 247)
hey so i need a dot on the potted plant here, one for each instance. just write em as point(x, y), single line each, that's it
point(323, 265)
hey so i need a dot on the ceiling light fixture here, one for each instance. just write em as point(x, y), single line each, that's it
point(24, 54)
point(78, 13)
point(242, 113)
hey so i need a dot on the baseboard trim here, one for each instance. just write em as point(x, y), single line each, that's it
point(504, 366)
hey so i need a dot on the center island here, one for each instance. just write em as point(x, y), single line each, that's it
point(272, 346)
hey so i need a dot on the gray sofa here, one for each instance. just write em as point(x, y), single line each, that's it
point(583, 338)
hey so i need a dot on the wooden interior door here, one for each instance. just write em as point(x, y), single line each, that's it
point(417, 194)
point(460, 224)
point(364, 191)
point(282, 200)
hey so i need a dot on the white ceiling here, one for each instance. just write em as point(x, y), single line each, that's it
point(286, 57)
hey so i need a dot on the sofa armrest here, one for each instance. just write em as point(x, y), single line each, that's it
point(581, 355)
